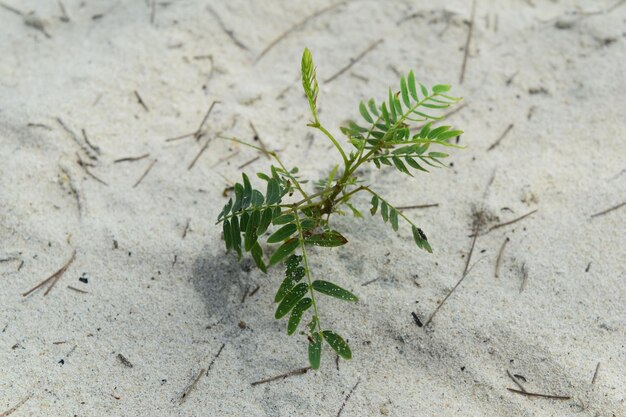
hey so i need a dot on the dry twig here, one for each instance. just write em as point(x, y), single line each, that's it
point(502, 136)
point(354, 60)
point(52, 279)
point(348, 397)
point(467, 43)
point(499, 258)
point(609, 210)
point(145, 173)
point(534, 394)
point(299, 371)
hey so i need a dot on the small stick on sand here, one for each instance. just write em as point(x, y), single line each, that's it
point(95, 148)
point(534, 394)
point(217, 355)
point(519, 384)
point(419, 206)
point(74, 191)
point(295, 27)
point(499, 258)
point(52, 279)
point(595, 374)
point(348, 397)
point(16, 406)
point(370, 281)
point(465, 271)
point(524, 278)
point(64, 18)
point(152, 12)
point(145, 173)
point(417, 320)
point(226, 158)
point(354, 60)
point(73, 135)
point(131, 158)
point(186, 228)
point(77, 290)
point(502, 136)
point(83, 165)
point(257, 137)
point(609, 210)
point(204, 148)
point(254, 291)
point(228, 32)
point(283, 376)
point(248, 163)
point(467, 43)
point(198, 133)
point(499, 225)
point(12, 10)
point(191, 386)
point(140, 100)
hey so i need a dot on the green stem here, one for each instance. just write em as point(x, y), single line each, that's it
point(308, 271)
point(317, 125)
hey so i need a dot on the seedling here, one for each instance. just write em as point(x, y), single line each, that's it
point(397, 133)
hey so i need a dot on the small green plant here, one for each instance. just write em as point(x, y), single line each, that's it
point(389, 137)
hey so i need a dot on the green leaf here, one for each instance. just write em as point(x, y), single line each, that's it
point(284, 250)
point(372, 105)
point(364, 113)
point(235, 235)
point(393, 218)
point(291, 299)
point(385, 115)
point(383, 211)
point(355, 211)
point(226, 209)
point(283, 233)
point(405, 92)
point(412, 89)
point(424, 90)
point(247, 191)
point(333, 290)
point(414, 164)
point(257, 255)
point(441, 88)
point(421, 240)
point(251, 228)
point(425, 130)
point(228, 238)
point(392, 107)
point(449, 134)
point(374, 205)
point(327, 239)
point(296, 314)
point(285, 218)
point(257, 198)
point(400, 165)
point(436, 132)
point(294, 272)
point(338, 344)
point(238, 197)
point(273, 192)
point(266, 219)
point(315, 350)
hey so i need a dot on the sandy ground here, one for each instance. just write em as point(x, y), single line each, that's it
point(159, 300)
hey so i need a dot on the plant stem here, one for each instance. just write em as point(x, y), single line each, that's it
point(306, 268)
point(334, 141)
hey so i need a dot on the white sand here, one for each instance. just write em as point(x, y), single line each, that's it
point(169, 319)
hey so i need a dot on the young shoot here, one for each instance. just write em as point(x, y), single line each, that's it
point(397, 133)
